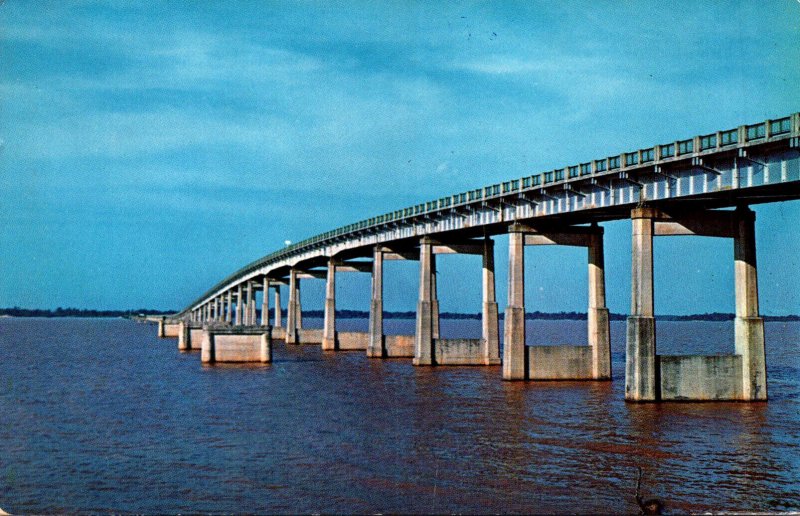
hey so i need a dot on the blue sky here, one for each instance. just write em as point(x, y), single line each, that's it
point(148, 149)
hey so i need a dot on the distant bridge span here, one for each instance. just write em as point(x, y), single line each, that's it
point(674, 188)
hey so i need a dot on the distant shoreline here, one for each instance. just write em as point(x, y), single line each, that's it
point(358, 314)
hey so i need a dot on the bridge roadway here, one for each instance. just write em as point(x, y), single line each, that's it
point(676, 188)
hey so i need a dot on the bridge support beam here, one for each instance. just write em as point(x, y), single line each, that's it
point(377, 345)
point(749, 326)
point(291, 316)
point(434, 299)
point(229, 307)
point(298, 306)
point(598, 318)
point(239, 307)
point(277, 319)
point(430, 348)
point(515, 353)
point(265, 303)
point(248, 304)
point(652, 377)
point(253, 310)
point(490, 338)
point(592, 362)
point(329, 322)
point(294, 319)
point(423, 344)
point(641, 368)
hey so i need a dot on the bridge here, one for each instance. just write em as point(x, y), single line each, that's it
point(683, 187)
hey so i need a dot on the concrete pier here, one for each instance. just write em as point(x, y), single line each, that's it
point(423, 349)
point(292, 323)
point(591, 362)
point(490, 332)
point(239, 306)
point(641, 375)
point(749, 326)
point(651, 377)
point(168, 328)
point(265, 303)
point(276, 320)
point(379, 344)
point(298, 306)
point(376, 347)
point(430, 348)
point(248, 304)
point(515, 353)
point(243, 344)
point(190, 336)
point(329, 322)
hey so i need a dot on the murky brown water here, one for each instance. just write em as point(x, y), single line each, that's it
point(100, 415)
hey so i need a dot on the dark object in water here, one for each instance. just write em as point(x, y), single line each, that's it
point(650, 506)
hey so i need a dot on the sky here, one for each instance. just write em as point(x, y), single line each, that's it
point(149, 149)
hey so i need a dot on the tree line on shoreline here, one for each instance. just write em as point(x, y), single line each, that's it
point(78, 312)
point(359, 314)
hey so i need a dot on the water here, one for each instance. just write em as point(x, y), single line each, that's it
point(100, 415)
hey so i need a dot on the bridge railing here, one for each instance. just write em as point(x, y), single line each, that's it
point(609, 166)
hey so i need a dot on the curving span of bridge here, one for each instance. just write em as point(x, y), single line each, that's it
point(684, 187)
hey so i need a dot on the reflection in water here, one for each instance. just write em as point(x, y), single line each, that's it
point(104, 416)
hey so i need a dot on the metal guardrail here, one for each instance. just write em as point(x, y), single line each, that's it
point(659, 154)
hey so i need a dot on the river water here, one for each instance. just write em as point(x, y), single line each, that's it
point(100, 415)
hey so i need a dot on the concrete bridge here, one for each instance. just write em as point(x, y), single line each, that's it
point(685, 187)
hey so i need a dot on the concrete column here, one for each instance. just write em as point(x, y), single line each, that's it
point(239, 304)
point(515, 353)
point(423, 348)
point(218, 308)
point(265, 304)
point(434, 299)
point(229, 308)
point(749, 326)
point(253, 311)
point(291, 317)
point(248, 305)
point(298, 306)
point(598, 324)
point(207, 351)
point(641, 363)
point(329, 324)
point(490, 331)
point(376, 347)
point(161, 333)
point(183, 336)
point(277, 322)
